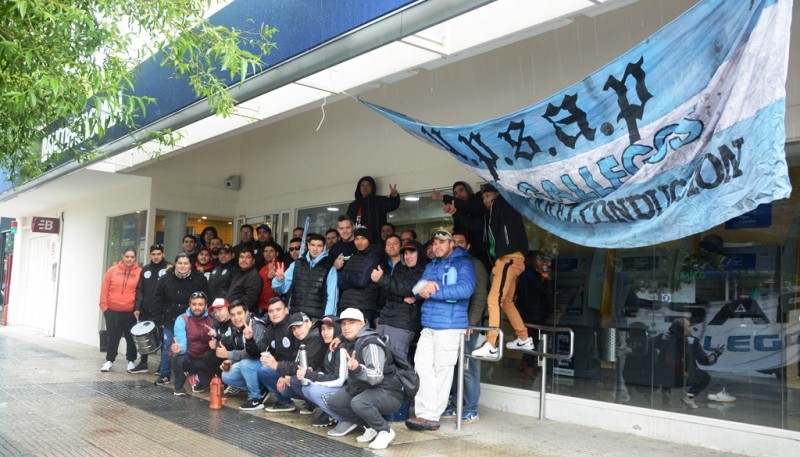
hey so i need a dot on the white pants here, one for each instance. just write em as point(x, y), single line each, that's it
point(437, 354)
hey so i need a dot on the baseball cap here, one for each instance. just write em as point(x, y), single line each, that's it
point(442, 235)
point(264, 227)
point(298, 319)
point(219, 303)
point(351, 313)
point(329, 320)
point(226, 247)
point(488, 188)
point(410, 246)
point(157, 247)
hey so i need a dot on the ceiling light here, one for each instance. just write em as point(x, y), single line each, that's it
point(331, 208)
point(412, 198)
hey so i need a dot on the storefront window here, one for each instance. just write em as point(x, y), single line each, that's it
point(637, 313)
point(417, 212)
point(126, 231)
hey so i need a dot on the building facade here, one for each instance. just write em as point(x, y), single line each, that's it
point(282, 165)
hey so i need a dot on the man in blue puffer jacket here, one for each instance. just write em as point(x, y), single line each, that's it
point(446, 286)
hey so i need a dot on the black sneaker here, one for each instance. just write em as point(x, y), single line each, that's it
point(323, 420)
point(252, 405)
point(308, 408)
point(180, 393)
point(197, 388)
point(161, 381)
point(140, 368)
point(281, 407)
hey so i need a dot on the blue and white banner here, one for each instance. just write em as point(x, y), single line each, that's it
point(676, 136)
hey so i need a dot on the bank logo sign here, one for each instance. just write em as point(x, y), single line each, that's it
point(676, 136)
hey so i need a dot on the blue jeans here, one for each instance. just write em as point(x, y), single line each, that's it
point(244, 375)
point(268, 378)
point(472, 379)
point(165, 369)
point(319, 395)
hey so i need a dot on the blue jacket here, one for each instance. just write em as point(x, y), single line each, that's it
point(448, 307)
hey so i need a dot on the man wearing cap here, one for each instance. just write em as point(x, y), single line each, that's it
point(355, 285)
point(221, 334)
point(310, 283)
point(289, 385)
point(242, 350)
point(372, 388)
point(506, 241)
point(264, 233)
point(190, 344)
point(146, 292)
point(219, 281)
point(446, 286)
point(400, 314)
point(323, 381)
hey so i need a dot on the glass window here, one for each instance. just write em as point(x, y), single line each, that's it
point(126, 231)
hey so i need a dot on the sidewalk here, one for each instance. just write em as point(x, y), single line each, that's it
point(55, 401)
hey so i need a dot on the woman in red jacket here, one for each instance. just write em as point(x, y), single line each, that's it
point(117, 297)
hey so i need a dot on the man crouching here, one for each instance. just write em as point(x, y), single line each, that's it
point(372, 389)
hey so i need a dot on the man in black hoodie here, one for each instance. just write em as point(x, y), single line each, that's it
point(146, 292)
point(369, 210)
point(467, 210)
point(289, 384)
point(356, 288)
point(247, 284)
point(281, 346)
point(400, 314)
point(506, 242)
point(372, 387)
point(326, 380)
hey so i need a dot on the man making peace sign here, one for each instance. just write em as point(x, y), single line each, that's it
point(241, 351)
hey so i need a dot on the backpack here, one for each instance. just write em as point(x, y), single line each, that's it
point(404, 370)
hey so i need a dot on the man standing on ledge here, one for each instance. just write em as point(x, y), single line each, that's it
point(506, 243)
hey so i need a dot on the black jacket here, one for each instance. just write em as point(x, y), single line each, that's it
point(280, 340)
point(315, 353)
point(506, 225)
point(146, 287)
point(220, 280)
point(395, 288)
point(246, 286)
point(356, 288)
point(371, 211)
point(172, 296)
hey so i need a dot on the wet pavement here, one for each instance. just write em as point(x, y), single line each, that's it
point(54, 401)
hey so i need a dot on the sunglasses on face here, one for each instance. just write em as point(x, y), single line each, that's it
point(294, 248)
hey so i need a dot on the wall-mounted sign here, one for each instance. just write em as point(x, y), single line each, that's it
point(46, 225)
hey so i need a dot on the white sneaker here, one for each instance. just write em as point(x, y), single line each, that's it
point(106, 367)
point(486, 352)
point(369, 435)
point(688, 400)
point(518, 344)
point(382, 440)
point(723, 397)
point(131, 366)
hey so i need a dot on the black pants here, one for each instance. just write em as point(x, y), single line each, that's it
point(366, 408)
point(119, 324)
point(182, 364)
point(212, 363)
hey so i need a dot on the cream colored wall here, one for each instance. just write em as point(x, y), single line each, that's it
point(81, 270)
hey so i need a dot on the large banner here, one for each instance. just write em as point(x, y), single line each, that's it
point(676, 136)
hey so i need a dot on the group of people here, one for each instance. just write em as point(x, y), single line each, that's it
point(324, 325)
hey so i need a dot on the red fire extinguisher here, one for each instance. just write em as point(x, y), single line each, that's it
point(215, 393)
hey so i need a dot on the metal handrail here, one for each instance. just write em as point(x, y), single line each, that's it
point(461, 356)
point(543, 354)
